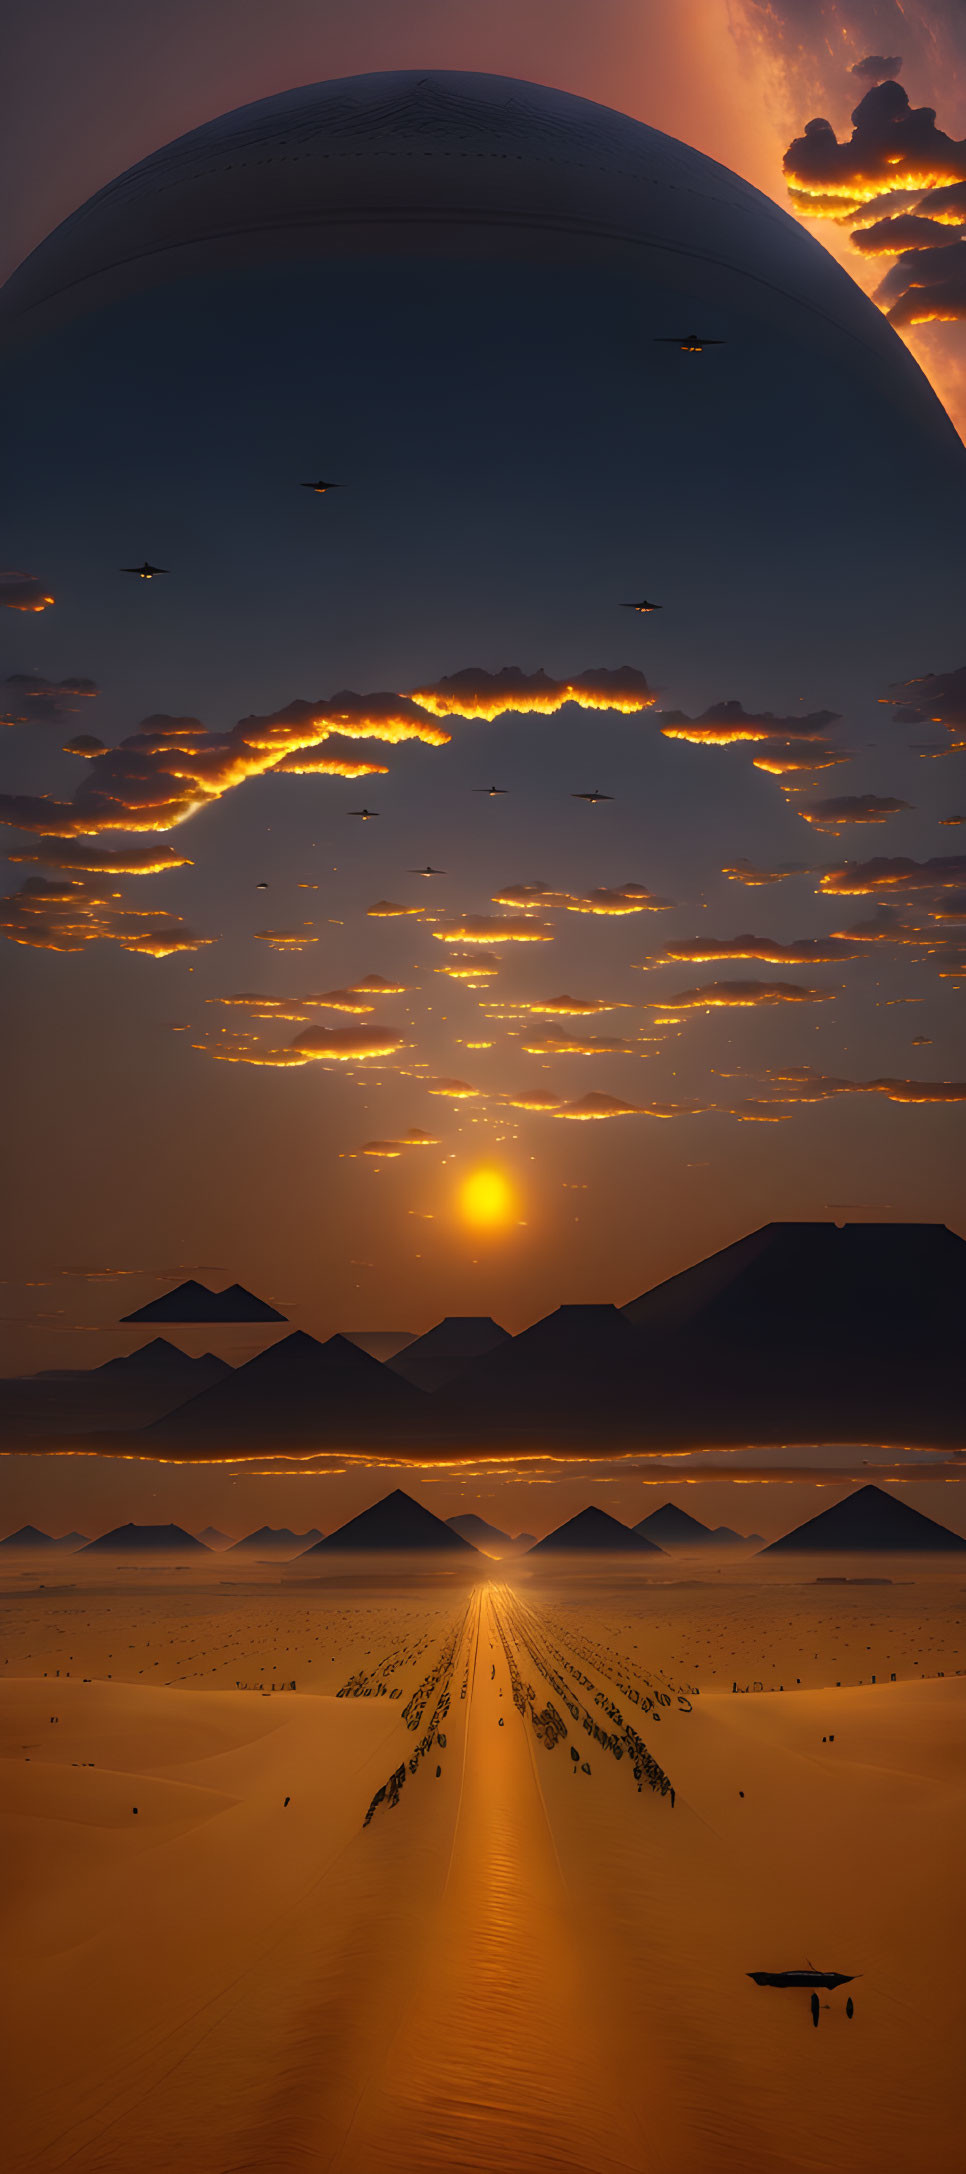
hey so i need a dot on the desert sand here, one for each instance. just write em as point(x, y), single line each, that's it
point(516, 1962)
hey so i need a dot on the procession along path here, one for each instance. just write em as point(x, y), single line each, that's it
point(526, 1958)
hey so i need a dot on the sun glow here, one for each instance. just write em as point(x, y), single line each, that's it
point(486, 1200)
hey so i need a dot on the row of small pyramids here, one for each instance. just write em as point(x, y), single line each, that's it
point(868, 1519)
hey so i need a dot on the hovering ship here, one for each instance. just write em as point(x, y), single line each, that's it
point(147, 572)
point(828, 1979)
point(690, 343)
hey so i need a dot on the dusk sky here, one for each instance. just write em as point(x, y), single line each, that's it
point(250, 1039)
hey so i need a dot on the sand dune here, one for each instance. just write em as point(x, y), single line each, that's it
point(518, 1963)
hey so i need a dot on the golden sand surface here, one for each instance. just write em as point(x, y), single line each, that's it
point(482, 1932)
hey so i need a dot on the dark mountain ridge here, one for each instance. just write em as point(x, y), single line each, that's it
point(396, 1524)
point(868, 1521)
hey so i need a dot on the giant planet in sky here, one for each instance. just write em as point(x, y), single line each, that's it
point(471, 304)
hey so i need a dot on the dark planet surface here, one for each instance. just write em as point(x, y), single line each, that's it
point(452, 295)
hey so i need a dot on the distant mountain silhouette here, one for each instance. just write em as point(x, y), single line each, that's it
point(381, 1344)
point(671, 1527)
point(193, 1302)
point(810, 1332)
point(522, 1541)
point(146, 1540)
point(29, 1538)
point(575, 1374)
point(868, 1521)
point(722, 1536)
point(436, 1358)
point(800, 1332)
point(674, 1528)
point(595, 1532)
point(480, 1534)
point(127, 1392)
point(159, 1359)
point(298, 1391)
point(275, 1540)
point(211, 1537)
point(396, 1523)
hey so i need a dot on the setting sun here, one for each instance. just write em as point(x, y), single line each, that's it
point(486, 1199)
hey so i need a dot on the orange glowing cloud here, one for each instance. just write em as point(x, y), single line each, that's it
point(741, 996)
point(70, 915)
point(85, 745)
point(349, 1045)
point(318, 1045)
point(890, 236)
point(729, 724)
point(390, 1150)
point(623, 898)
point(378, 985)
point(885, 926)
point(359, 1000)
point(148, 860)
point(937, 698)
point(861, 879)
point(899, 182)
point(386, 909)
point(26, 698)
point(592, 1108)
point(781, 764)
point(756, 879)
point(22, 592)
point(576, 1007)
point(285, 939)
point(892, 146)
point(814, 1087)
point(292, 1009)
point(536, 1100)
point(475, 693)
point(751, 1112)
point(526, 897)
point(627, 898)
point(551, 1043)
point(454, 1090)
point(805, 951)
point(476, 968)
point(245, 1049)
point(852, 808)
point(488, 928)
point(919, 1090)
point(330, 766)
point(172, 766)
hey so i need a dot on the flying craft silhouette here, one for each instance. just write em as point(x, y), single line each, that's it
point(146, 572)
point(365, 814)
point(491, 790)
point(322, 486)
point(829, 1979)
point(690, 343)
point(427, 871)
point(644, 605)
point(592, 797)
